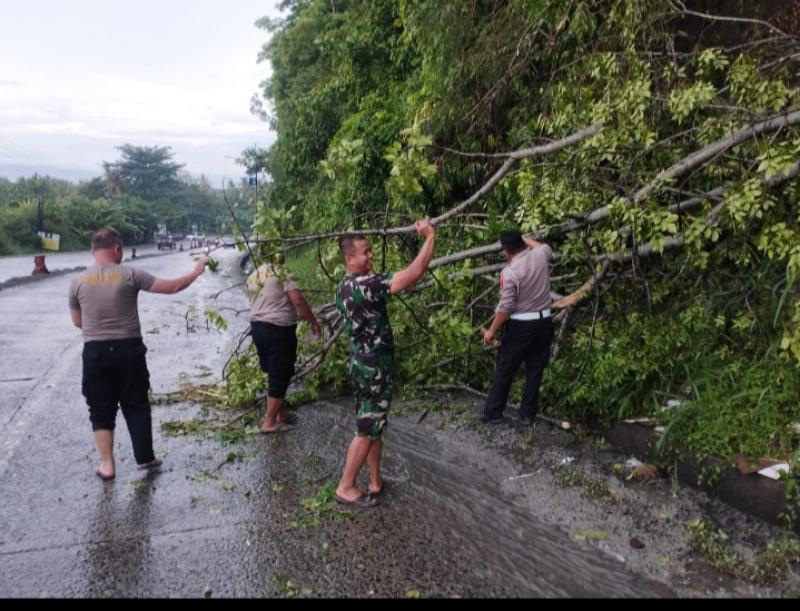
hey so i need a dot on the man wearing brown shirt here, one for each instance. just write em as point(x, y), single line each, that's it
point(525, 306)
point(103, 304)
point(274, 307)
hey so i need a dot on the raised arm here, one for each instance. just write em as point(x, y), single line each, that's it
point(168, 287)
point(415, 270)
point(531, 243)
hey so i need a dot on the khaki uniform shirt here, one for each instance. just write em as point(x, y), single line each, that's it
point(107, 296)
point(525, 282)
point(269, 303)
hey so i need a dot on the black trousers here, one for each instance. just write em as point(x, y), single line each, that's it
point(115, 375)
point(525, 341)
point(277, 352)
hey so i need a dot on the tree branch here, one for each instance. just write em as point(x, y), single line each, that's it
point(584, 289)
point(693, 161)
point(686, 11)
point(645, 250)
point(462, 387)
point(511, 160)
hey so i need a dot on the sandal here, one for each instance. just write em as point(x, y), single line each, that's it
point(365, 501)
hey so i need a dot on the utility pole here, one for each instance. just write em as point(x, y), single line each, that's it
point(40, 213)
point(252, 181)
point(255, 148)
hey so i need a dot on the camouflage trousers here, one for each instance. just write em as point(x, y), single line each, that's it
point(372, 377)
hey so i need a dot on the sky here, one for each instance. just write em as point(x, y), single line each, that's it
point(81, 77)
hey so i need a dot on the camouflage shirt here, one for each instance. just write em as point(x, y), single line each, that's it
point(362, 302)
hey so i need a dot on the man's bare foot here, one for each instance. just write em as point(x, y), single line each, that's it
point(284, 417)
point(270, 426)
point(349, 494)
point(278, 427)
point(356, 498)
point(376, 489)
point(105, 471)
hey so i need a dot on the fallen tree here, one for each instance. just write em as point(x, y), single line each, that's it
point(654, 147)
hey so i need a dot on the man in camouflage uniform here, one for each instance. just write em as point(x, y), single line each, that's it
point(361, 299)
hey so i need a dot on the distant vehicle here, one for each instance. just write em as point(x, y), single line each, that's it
point(177, 236)
point(228, 243)
point(196, 237)
point(166, 242)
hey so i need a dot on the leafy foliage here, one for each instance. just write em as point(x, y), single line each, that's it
point(370, 100)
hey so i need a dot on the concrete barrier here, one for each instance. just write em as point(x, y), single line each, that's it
point(754, 494)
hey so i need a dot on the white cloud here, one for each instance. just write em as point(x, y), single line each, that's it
point(102, 74)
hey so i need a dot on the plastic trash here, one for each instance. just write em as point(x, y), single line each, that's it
point(632, 463)
point(774, 471)
point(671, 404)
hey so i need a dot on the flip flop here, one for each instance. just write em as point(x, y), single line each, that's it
point(365, 501)
point(282, 428)
point(103, 476)
point(150, 465)
point(378, 492)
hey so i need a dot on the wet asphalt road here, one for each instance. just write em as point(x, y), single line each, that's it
point(228, 520)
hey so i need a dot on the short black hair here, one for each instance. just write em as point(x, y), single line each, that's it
point(106, 238)
point(346, 242)
point(511, 241)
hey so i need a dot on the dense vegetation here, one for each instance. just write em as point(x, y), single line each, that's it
point(145, 188)
point(675, 208)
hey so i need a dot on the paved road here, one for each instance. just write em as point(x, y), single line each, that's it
point(46, 453)
point(229, 520)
